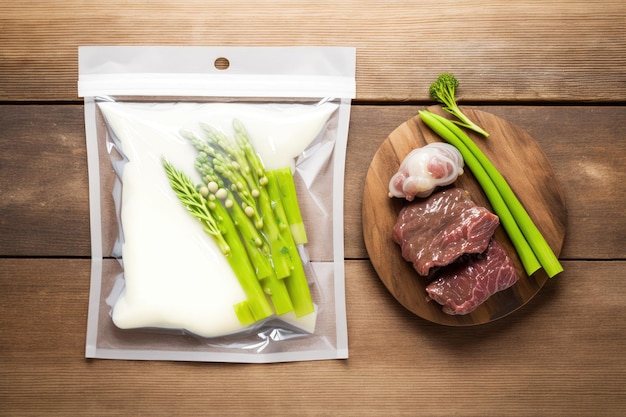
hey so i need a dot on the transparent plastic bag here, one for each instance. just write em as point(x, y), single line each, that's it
point(162, 288)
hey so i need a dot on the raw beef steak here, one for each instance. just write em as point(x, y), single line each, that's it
point(434, 232)
point(462, 287)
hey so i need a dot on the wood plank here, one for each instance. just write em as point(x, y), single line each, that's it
point(554, 51)
point(43, 174)
point(561, 354)
point(44, 183)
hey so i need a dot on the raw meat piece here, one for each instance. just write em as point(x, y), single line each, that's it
point(462, 287)
point(436, 231)
point(426, 168)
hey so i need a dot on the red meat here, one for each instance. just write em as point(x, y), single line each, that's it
point(462, 287)
point(436, 231)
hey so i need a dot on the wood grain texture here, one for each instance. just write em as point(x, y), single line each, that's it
point(44, 184)
point(526, 169)
point(43, 181)
point(557, 356)
point(562, 354)
point(553, 50)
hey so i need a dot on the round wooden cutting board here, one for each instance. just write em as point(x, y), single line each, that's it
point(524, 165)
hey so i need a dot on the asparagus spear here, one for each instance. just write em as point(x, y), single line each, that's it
point(284, 179)
point(223, 231)
point(278, 194)
point(225, 207)
point(249, 188)
point(296, 282)
point(236, 186)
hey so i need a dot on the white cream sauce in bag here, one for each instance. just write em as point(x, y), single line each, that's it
point(175, 276)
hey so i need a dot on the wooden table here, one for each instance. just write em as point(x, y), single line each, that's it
point(556, 68)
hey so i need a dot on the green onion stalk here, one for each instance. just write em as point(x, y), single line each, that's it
point(531, 246)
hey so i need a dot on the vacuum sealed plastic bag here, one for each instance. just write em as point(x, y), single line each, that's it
point(216, 198)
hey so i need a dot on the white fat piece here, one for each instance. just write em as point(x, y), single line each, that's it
point(424, 169)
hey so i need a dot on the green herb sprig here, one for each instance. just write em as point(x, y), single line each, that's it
point(444, 91)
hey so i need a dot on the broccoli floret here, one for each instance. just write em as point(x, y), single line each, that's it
point(443, 90)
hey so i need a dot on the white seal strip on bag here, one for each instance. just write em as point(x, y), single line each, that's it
point(146, 130)
point(192, 71)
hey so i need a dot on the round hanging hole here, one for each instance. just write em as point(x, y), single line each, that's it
point(221, 63)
